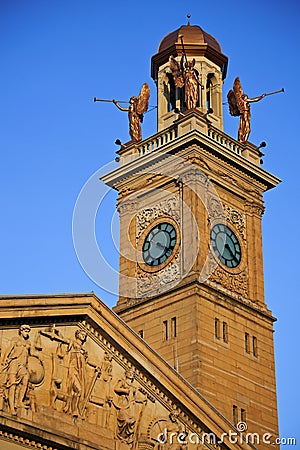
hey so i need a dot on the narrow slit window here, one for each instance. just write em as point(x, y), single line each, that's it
point(174, 327)
point(217, 328)
point(243, 415)
point(254, 344)
point(165, 330)
point(225, 332)
point(141, 333)
point(235, 414)
point(247, 343)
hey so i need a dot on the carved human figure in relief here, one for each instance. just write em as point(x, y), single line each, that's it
point(128, 416)
point(76, 377)
point(14, 370)
point(137, 107)
point(101, 394)
point(174, 433)
point(239, 105)
point(185, 75)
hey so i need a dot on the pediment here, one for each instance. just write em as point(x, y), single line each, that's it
point(74, 375)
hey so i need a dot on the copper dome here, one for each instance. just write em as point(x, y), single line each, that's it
point(192, 34)
point(196, 43)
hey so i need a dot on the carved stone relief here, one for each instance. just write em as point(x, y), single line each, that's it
point(237, 218)
point(127, 206)
point(194, 174)
point(169, 206)
point(217, 211)
point(254, 208)
point(130, 403)
point(237, 283)
point(155, 281)
point(21, 371)
point(169, 432)
point(198, 160)
point(67, 375)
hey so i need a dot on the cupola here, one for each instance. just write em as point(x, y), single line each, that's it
point(191, 49)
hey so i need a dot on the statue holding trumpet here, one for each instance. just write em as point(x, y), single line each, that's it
point(239, 105)
point(137, 107)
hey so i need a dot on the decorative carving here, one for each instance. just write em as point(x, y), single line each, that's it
point(237, 219)
point(130, 404)
point(215, 209)
point(117, 400)
point(237, 283)
point(170, 206)
point(102, 389)
point(21, 370)
point(199, 161)
point(226, 213)
point(25, 441)
point(69, 372)
point(154, 281)
point(168, 432)
point(254, 208)
point(195, 175)
point(124, 192)
point(127, 206)
point(76, 378)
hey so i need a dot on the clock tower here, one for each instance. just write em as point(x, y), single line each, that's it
point(191, 261)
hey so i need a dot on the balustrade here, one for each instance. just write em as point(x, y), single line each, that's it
point(156, 141)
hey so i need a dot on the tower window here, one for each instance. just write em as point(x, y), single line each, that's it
point(174, 327)
point(170, 92)
point(165, 330)
point(247, 342)
point(208, 91)
point(225, 332)
point(254, 344)
point(217, 328)
point(243, 415)
point(235, 414)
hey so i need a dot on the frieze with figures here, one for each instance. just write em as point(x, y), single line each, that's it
point(61, 372)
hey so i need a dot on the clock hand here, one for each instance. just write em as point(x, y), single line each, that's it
point(158, 244)
point(231, 252)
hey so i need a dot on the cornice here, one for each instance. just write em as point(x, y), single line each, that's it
point(192, 283)
point(141, 163)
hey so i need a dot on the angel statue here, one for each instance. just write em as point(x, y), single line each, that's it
point(239, 105)
point(137, 107)
point(185, 75)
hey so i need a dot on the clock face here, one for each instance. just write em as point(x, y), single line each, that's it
point(226, 245)
point(159, 244)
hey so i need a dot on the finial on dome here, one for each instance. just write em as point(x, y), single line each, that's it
point(188, 16)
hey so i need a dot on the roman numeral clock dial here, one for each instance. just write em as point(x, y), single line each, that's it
point(226, 245)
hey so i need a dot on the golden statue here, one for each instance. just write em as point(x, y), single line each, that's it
point(137, 107)
point(185, 75)
point(239, 105)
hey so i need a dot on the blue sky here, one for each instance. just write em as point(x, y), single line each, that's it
point(56, 56)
